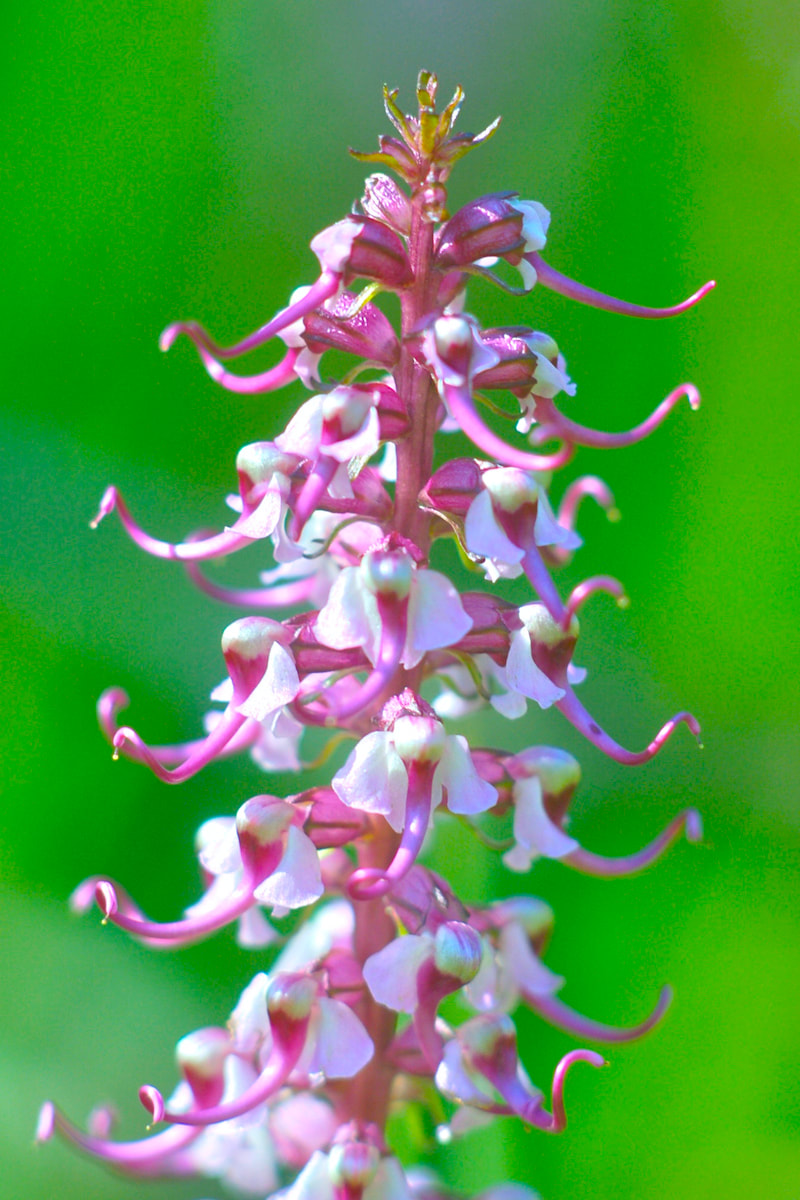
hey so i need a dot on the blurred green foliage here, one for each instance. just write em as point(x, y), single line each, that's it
point(174, 160)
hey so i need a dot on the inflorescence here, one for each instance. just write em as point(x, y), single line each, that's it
point(382, 649)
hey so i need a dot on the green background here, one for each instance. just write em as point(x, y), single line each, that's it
point(174, 160)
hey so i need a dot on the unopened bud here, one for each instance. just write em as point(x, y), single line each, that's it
point(457, 951)
point(556, 770)
point(246, 644)
point(544, 630)
point(259, 461)
point(263, 819)
point(291, 996)
point(353, 1164)
point(202, 1054)
point(510, 488)
point(388, 573)
point(419, 739)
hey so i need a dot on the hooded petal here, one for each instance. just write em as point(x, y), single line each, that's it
point(350, 616)
point(547, 531)
point(527, 970)
point(534, 832)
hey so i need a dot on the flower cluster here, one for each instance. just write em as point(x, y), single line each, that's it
point(291, 1097)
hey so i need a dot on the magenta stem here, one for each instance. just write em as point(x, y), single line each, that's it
point(276, 377)
point(578, 490)
point(282, 595)
point(555, 424)
point(539, 578)
point(630, 864)
point(577, 715)
point(132, 1156)
point(212, 547)
point(557, 1013)
point(550, 278)
point(326, 286)
point(312, 492)
point(128, 742)
point(367, 883)
point(462, 406)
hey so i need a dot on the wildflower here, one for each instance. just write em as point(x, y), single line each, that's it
point(351, 506)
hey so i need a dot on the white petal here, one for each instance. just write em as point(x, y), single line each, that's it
point(533, 829)
point(350, 616)
point(331, 926)
point(389, 1183)
point(391, 974)
point(466, 791)
point(454, 1081)
point(254, 930)
point(297, 880)
point(524, 675)
point(576, 675)
point(313, 1182)
point(530, 974)
point(214, 897)
point(484, 533)
point(218, 845)
point(436, 616)
point(303, 433)
point(263, 520)
point(279, 685)
point(547, 531)
point(374, 779)
point(361, 444)
point(223, 692)
point(249, 1023)
point(343, 1044)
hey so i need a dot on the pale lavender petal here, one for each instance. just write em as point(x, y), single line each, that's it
point(343, 1044)
point(218, 846)
point(547, 531)
point(524, 675)
point(264, 519)
point(466, 791)
point(254, 930)
point(533, 829)
point(249, 1023)
point(278, 686)
point(331, 926)
point(374, 779)
point(529, 973)
point(436, 616)
point(303, 433)
point(361, 444)
point(485, 535)
point(313, 1182)
point(389, 1182)
point(297, 881)
point(391, 974)
point(350, 616)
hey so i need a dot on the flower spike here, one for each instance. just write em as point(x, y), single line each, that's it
point(556, 282)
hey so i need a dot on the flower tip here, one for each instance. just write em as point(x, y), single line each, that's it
point(694, 826)
point(45, 1123)
point(623, 601)
point(83, 896)
point(167, 339)
point(613, 514)
point(153, 1101)
point(106, 506)
point(106, 897)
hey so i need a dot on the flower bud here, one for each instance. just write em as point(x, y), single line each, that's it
point(419, 739)
point(246, 645)
point(353, 1164)
point(457, 951)
point(291, 996)
point(201, 1058)
point(388, 573)
point(486, 228)
point(510, 488)
point(359, 247)
point(260, 462)
point(368, 333)
point(551, 645)
point(556, 770)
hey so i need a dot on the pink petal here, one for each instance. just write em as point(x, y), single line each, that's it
point(218, 846)
point(533, 829)
point(303, 433)
point(265, 517)
point(350, 616)
point(254, 930)
point(484, 534)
